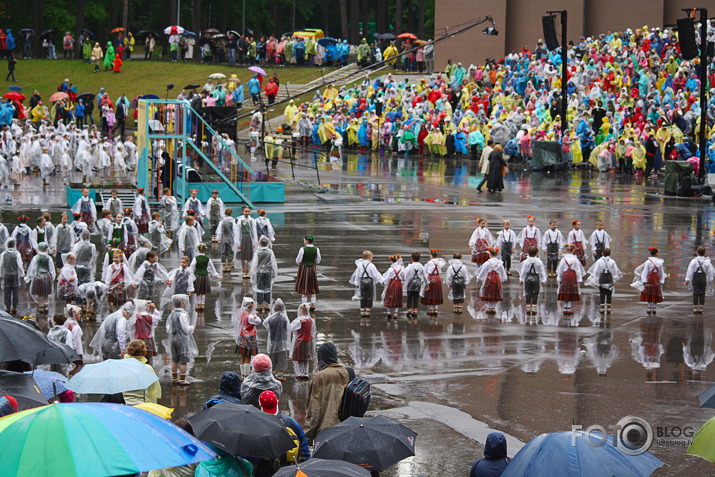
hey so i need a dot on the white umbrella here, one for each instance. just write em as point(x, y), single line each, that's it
point(179, 30)
point(155, 125)
point(111, 377)
point(217, 76)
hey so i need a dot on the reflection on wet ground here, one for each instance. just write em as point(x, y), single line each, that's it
point(453, 377)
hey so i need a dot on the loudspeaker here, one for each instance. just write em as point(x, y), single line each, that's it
point(552, 42)
point(686, 37)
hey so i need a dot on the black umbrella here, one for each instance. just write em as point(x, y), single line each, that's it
point(191, 86)
point(374, 443)
point(88, 33)
point(60, 353)
point(326, 41)
point(143, 33)
point(324, 468)
point(20, 339)
point(47, 33)
point(86, 97)
point(27, 30)
point(23, 388)
point(242, 430)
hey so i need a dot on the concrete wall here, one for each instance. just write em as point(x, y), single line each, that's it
point(585, 18)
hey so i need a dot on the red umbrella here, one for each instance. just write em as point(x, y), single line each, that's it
point(14, 96)
point(59, 96)
point(407, 35)
point(118, 30)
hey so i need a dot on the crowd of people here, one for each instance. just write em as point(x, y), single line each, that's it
point(632, 104)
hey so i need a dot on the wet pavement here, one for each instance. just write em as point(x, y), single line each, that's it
point(454, 378)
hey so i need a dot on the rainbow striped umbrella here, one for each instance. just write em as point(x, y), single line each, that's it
point(93, 439)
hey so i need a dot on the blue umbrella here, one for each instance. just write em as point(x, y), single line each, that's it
point(15, 88)
point(326, 41)
point(707, 397)
point(150, 96)
point(569, 453)
point(112, 376)
point(44, 380)
point(188, 34)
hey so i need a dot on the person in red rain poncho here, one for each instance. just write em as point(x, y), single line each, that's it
point(117, 63)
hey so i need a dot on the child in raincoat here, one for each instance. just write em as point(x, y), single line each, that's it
point(227, 240)
point(278, 344)
point(569, 274)
point(264, 271)
point(160, 243)
point(304, 332)
point(171, 212)
point(67, 281)
point(649, 279)
point(117, 277)
point(21, 234)
point(215, 208)
point(492, 275)
point(432, 296)
point(40, 275)
point(394, 279)
point(142, 325)
point(604, 274)
point(246, 227)
point(264, 228)
point(117, 63)
point(532, 275)
point(181, 340)
point(201, 267)
point(699, 279)
point(457, 279)
point(147, 274)
point(365, 279)
point(244, 322)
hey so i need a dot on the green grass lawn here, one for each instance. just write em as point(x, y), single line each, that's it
point(136, 77)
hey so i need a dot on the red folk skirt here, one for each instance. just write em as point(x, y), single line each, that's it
point(433, 295)
point(579, 252)
point(491, 290)
point(393, 295)
point(568, 290)
point(480, 253)
point(528, 242)
point(652, 292)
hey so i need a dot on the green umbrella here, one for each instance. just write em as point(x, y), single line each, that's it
point(702, 444)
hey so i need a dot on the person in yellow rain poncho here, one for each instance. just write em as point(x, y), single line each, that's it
point(353, 133)
point(290, 111)
point(390, 52)
point(326, 129)
point(375, 132)
point(38, 113)
point(330, 93)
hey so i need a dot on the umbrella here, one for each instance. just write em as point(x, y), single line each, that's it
point(326, 41)
point(242, 430)
point(211, 31)
point(23, 388)
point(58, 96)
point(707, 397)
point(421, 42)
point(237, 34)
point(258, 69)
point(135, 102)
point(45, 379)
point(156, 409)
point(323, 468)
point(14, 96)
point(548, 454)
point(155, 125)
point(88, 33)
point(407, 35)
point(179, 30)
point(191, 86)
point(60, 353)
point(385, 36)
point(118, 30)
point(85, 97)
point(217, 76)
point(218, 37)
point(374, 443)
point(189, 34)
point(93, 439)
point(15, 88)
point(143, 33)
point(19, 339)
point(112, 376)
point(27, 30)
point(150, 96)
point(46, 33)
point(702, 443)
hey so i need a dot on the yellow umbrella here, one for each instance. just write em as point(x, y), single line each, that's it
point(156, 409)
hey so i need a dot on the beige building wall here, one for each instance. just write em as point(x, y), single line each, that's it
point(585, 18)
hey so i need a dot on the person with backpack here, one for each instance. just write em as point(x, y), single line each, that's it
point(492, 275)
point(649, 279)
point(699, 279)
point(415, 280)
point(603, 274)
point(393, 279)
point(599, 240)
point(552, 243)
point(325, 393)
point(365, 279)
point(506, 243)
point(264, 271)
point(495, 457)
point(457, 279)
point(264, 226)
point(569, 274)
point(532, 275)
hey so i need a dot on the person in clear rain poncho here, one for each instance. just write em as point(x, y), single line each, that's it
point(12, 272)
point(86, 253)
point(264, 271)
point(244, 322)
point(261, 379)
point(226, 236)
point(181, 339)
point(278, 337)
point(110, 340)
point(304, 333)
point(40, 275)
point(160, 243)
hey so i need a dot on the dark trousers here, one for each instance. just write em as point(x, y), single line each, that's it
point(698, 299)
point(413, 299)
point(532, 299)
point(121, 124)
point(11, 291)
point(366, 302)
point(10, 73)
point(552, 261)
point(606, 295)
point(482, 182)
point(649, 163)
point(263, 298)
point(506, 259)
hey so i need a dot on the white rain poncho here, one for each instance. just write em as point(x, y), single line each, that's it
point(457, 271)
point(180, 331)
point(41, 274)
point(160, 243)
point(264, 270)
point(415, 278)
point(244, 320)
point(111, 337)
point(265, 228)
point(147, 276)
point(396, 271)
point(182, 283)
point(365, 278)
point(94, 292)
point(701, 265)
point(597, 270)
point(171, 213)
point(86, 254)
point(142, 322)
point(638, 275)
point(277, 325)
point(304, 330)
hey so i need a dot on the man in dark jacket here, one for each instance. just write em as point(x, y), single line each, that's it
point(495, 459)
point(228, 391)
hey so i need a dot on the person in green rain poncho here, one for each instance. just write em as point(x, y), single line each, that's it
point(109, 56)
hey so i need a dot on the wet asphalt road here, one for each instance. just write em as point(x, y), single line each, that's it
point(454, 378)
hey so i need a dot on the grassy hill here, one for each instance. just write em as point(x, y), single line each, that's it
point(136, 77)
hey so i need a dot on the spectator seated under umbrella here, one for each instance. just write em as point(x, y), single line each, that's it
point(228, 391)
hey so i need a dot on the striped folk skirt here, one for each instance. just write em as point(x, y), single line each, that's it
point(568, 290)
point(306, 283)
